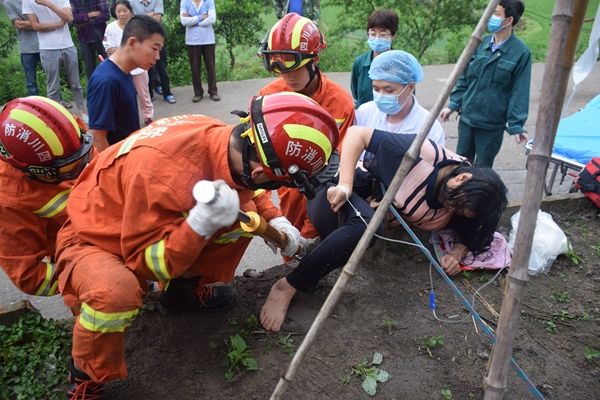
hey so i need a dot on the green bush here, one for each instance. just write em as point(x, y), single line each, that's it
point(34, 353)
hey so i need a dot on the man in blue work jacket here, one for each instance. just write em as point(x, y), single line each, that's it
point(492, 94)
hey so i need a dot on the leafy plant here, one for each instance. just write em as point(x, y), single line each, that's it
point(34, 353)
point(287, 344)
point(585, 316)
point(562, 315)
point(467, 274)
point(446, 394)
point(561, 296)
point(370, 373)
point(551, 327)
point(232, 321)
point(573, 256)
point(390, 324)
point(239, 357)
point(590, 353)
point(432, 342)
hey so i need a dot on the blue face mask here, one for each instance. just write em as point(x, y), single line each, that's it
point(389, 103)
point(495, 23)
point(379, 45)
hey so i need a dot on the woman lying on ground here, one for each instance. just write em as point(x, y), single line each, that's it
point(441, 190)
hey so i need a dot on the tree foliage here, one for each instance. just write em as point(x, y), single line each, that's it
point(239, 22)
point(422, 22)
point(8, 38)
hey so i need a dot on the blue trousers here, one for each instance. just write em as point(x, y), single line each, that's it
point(30, 62)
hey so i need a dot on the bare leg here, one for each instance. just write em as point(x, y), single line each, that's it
point(275, 308)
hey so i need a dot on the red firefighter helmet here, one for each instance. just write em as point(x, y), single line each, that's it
point(293, 135)
point(43, 139)
point(293, 42)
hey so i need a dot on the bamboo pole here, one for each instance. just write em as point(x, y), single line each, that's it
point(411, 155)
point(567, 19)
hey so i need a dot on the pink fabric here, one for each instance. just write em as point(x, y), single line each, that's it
point(497, 257)
point(140, 82)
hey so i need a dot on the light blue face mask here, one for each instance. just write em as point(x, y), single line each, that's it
point(389, 103)
point(495, 23)
point(379, 45)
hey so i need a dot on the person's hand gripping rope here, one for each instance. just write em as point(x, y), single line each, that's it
point(338, 195)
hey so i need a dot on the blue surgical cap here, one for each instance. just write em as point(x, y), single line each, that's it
point(396, 66)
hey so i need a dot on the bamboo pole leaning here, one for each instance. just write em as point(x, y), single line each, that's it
point(410, 157)
point(567, 19)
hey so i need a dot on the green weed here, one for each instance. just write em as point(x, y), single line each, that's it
point(390, 324)
point(590, 353)
point(287, 344)
point(239, 357)
point(446, 394)
point(562, 315)
point(560, 296)
point(232, 321)
point(573, 256)
point(370, 373)
point(551, 327)
point(34, 353)
point(432, 342)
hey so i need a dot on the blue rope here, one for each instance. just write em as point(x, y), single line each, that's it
point(520, 373)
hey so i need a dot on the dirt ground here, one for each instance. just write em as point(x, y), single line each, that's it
point(184, 356)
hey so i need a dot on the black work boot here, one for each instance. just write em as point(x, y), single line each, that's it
point(82, 387)
point(182, 293)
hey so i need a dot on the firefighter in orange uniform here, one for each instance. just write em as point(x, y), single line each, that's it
point(291, 50)
point(137, 214)
point(43, 149)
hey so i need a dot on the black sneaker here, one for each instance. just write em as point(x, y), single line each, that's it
point(82, 386)
point(184, 293)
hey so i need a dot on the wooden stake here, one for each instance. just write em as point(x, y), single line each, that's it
point(567, 19)
point(411, 155)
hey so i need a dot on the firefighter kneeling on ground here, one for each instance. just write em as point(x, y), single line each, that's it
point(134, 217)
point(43, 149)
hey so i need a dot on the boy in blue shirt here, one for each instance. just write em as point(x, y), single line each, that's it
point(111, 99)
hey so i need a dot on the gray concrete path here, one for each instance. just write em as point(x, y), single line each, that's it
point(510, 163)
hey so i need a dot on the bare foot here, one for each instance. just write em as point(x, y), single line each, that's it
point(273, 311)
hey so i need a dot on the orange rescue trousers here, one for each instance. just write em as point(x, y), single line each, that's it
point(109, 295)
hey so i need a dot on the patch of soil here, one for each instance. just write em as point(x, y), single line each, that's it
point(184, 356)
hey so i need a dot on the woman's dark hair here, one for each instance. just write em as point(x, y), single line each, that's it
point(485, 195)
point(113, 7)
point(383, 19)
point(513, 8)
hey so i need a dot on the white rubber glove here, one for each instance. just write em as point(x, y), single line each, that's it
point(217, 206)
point(293, 235)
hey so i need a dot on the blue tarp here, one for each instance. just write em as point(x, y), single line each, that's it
point(578, 135)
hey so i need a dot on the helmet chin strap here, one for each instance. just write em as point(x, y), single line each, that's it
point(246, 176)
point(313, 71)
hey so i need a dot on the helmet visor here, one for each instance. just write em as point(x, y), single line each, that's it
point(281, 61)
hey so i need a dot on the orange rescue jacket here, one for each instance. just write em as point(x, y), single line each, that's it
point(31, 213)
point(133, 199)
point(338, 102)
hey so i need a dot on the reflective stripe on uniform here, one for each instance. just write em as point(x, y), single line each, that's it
point(232, 236)
point(127, 145)
point(156, 260)
point(257, 193)
point(340, 121)
point(48, 288)
point(54, 206)
point(98, 321)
